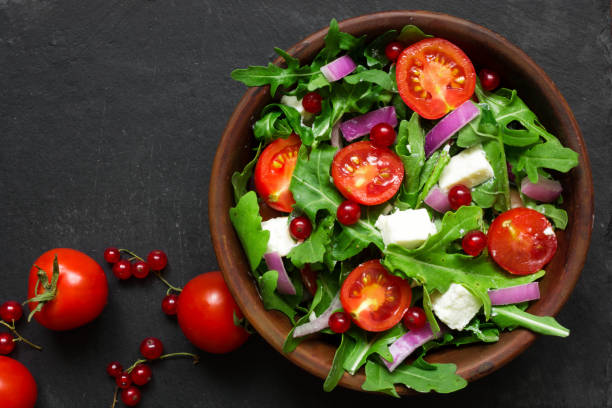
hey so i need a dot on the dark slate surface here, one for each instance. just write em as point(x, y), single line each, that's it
point(110, 114)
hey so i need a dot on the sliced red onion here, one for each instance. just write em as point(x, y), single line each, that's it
point(515, 199)
point(544, 190)
point(335, 136)
point(361, 125)
point(338, 68)
point(449, 125)
point(284, 284)
point(321, 322)
point(438, 200)
point(511, 176)
point(405, 345)
point(515, 294)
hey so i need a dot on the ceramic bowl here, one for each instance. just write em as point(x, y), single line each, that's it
point(518, 71)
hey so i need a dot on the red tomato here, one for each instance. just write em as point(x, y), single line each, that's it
point(17, 386)
point(367, 174)
point(521, 241)
point(82, 289)
point(375, 299)
point(434, 77)
point(206, 314)
point(273, 172)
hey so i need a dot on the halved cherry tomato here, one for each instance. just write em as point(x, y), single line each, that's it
point(521, 241)
point(434, 76)
point(273, 172)
point(367, 174)
point(375, 299)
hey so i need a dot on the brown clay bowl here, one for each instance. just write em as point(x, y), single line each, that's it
point(518, 71)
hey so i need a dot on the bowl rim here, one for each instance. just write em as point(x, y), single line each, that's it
point(495, 355)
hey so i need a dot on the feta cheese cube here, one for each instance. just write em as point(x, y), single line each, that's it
point(408, 228)
point(470, 168)
point(280, 239)
point(455, 307)
point(296, 103)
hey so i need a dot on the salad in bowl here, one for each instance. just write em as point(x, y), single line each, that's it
point(398, 201)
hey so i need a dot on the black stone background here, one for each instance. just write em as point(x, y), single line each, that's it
point(110, 113)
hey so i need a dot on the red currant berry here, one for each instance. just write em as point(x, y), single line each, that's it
point(348, 212)
point(131, 396)
point(114, 369)
point(122, 269)
point(7, 345)
point(339, 322)
point(312, 102)
point(458, 196)
point(415, 318)
point(157, 260)
point(140, 269)
point(11, 311)
point(123, 380)
point(169, 304)
point(141, 374)
point(393, 50)
point(489, 79)
point(474, 242)
point(300, 228)
point(382, 135)
point(112, 255)
point(151, 348)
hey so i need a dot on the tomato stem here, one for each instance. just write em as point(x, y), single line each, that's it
point(133, 256)
point(50, 288)
point(18, 336)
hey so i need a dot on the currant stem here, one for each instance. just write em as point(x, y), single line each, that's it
point(18, 336)
point(115, 397)
point(157, 273)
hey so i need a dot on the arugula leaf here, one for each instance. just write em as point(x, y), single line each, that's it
point(442, 160)
point(411, 134)
point(336, 371)
point(358, 98)
point(294, 119)
point(270, 126)
point(411, 34)
point(419, 376)
point(549, 155)
point(313, 249)
point(375, 51)
point(436, 269)
point(336, 41)
point(485, 332)
point(311, 183)
point(428, 308)
point(241, 179)
point(375, 76)
point(270, 297)
point(273, 75)
point(511, 316)
point(247, 222)
point(401, 109)
point(557, 215)
point(355, 238)
point(364, 347)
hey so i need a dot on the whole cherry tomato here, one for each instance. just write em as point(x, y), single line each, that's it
point(206, 312)
point(17, 386)
point(81, 292)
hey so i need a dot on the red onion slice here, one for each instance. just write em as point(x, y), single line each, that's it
point(361, 125)
point(335, 136)
point(438, 200)
point(405, 345)
point(321, 322)
point(338, 68)
point(284, 284)
point(515, 294)
point(545, 190)
point(449, 125)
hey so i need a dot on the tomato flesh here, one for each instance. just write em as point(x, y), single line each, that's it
point(375, 299)
point(273, 172)
point(521, 241)
point(434, 76)
point(367, 174)
point(17, 386)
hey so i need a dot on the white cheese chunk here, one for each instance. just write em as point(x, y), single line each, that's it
point(470, 168)
point(455, 307)
point(408, 228)
point(296, 103)
point(280, 239)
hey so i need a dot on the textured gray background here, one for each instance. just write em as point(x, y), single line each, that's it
point(110, 112)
